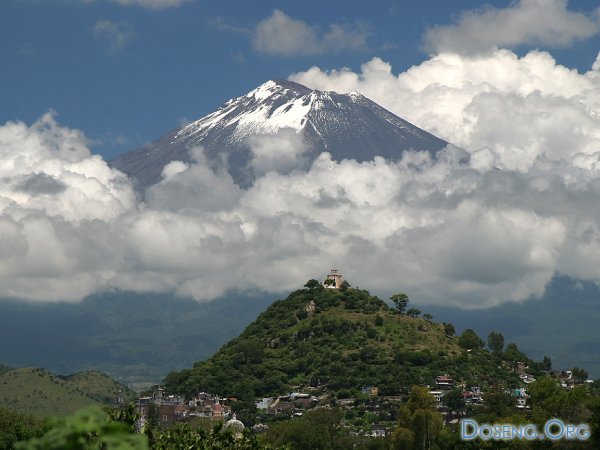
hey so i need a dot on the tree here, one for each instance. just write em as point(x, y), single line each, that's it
point(89, 428)
point(249, 351)
point(312, 284)
point(579, 375)
point(317, 429)
point(402, 439)
point(495, 342)
point(594, 420)
point(469, 340)
point(449, 329)
point(428, 317)
point(499, 404)
point(546, 363)
point(401, 302)
point(454, 400)
point(17, 427)
point(548, 399)
point(513, 354)
point(418, 422)
point(413, 312)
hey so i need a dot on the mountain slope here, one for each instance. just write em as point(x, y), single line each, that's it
point(40, 393)
point(336, 341)
point(137, 338)
point(347, 125)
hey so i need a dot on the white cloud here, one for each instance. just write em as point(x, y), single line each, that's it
point(116, 35)
point(281, 35)
point(477, 226)
point(281, 152)
point(521, 107)
point(525, 22)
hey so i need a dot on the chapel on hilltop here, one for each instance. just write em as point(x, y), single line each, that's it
point(334, 280)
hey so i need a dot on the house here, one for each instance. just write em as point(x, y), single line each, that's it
point(302, 400)
point(521, 402)
point(280, 405)
point(166, 415)
point(264, 403)
point(378, 430)
point(526, 378)
point(371, 391)
point(472, 396)
point(444, 382)
point(467, 397)
point(438, 395)
point(174, 400)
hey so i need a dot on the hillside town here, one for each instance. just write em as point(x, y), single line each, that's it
point(204, 410)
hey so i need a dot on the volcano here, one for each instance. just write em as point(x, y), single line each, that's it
point(348, 126)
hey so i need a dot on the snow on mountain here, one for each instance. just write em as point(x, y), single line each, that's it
point(346, 125)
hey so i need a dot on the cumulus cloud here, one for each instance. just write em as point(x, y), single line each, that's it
point(281, 35)
point(116, 35)
point(490, 220)
point(281, 152)
point(53, 195)
point(525, 22)
point(521, 107)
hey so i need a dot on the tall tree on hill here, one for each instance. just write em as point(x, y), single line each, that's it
point(312, 284)
point(495, 342)
point(401, 302)
point(579, 375)
point(418, 422)
point(469, 340)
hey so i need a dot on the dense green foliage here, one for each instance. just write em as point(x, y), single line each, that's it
point(319, 430)
point(338, 341)
point(89, 428)
point(17, 427)
point(94, 429)
point(495, 342)
point(418, 424)
point(469, 340)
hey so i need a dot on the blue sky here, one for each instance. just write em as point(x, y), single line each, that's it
point(127, 73)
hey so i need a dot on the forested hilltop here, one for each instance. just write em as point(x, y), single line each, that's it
point(339, 341)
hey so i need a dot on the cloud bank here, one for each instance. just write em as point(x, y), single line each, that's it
point(525, 22)
point(489, 222)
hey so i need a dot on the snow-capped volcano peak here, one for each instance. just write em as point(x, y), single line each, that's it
point(346, 125)
point(272, 106)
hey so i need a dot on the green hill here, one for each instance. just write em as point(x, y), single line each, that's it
point(99, 386)
point(337, 341)
point(40, 393)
